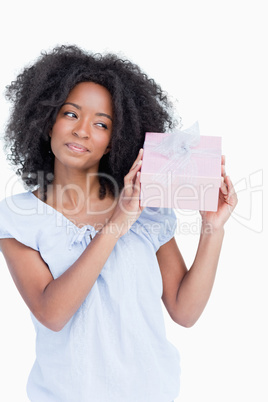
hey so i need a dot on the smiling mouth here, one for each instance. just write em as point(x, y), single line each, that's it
point(76, 147)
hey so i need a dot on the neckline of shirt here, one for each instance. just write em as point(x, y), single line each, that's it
point(80, 228)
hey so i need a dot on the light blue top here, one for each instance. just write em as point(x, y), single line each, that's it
point(114, 348)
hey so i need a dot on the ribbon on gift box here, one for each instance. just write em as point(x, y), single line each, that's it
point(178, 148)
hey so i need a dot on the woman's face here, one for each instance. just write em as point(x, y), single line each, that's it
point(82, 131)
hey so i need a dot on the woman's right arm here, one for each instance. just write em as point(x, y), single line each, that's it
point(54, 301)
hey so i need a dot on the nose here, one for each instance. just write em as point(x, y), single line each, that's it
point(81, 130)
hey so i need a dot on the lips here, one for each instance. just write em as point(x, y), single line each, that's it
point(73, 146)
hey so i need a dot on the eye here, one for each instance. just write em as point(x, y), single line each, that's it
point(102, 125)
point(70, 114)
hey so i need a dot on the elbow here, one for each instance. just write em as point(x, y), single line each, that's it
point(184, 320)
point(50, 321)
point(54, 326)
point(186, 324)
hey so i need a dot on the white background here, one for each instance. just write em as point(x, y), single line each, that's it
point(212, 57)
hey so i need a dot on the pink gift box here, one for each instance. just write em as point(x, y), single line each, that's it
point(189, 180)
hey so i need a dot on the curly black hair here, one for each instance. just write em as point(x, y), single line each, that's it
point(38, 93)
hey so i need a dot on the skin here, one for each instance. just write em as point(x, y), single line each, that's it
point(87, 114)
point(80, 136)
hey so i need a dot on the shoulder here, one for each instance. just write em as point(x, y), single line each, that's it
point(158, 224)
point(17, 203)
point(17, 214)
point(158, 217)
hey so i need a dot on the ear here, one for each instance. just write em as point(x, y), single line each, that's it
point(107, 150)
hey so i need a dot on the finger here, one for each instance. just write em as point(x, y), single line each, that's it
point(223, 171)
point(137, 185)
point(229, 183)
point(138, 193)
point(232, 196)
point(230, 186)
point(224, 187)
point(137, 190)
point(130, 179)
point(139, 157)
point(133, 171)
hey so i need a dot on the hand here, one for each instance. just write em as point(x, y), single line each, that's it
point(227, 203)
point(128, 208)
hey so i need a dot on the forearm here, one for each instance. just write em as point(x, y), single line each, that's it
point(64, 295)
point(196, 286)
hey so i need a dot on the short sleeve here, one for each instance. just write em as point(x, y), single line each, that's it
point(159, 224)
point(5, 232)
point(15, 221)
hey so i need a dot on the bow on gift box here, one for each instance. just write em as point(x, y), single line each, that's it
point(178, 148)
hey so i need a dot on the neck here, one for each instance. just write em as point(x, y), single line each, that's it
point(73, 189)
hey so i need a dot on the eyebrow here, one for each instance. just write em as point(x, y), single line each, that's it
point(73, 104)
point(105, 115)
point(79, 108)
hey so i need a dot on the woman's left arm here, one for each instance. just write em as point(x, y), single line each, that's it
point(185, 293)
